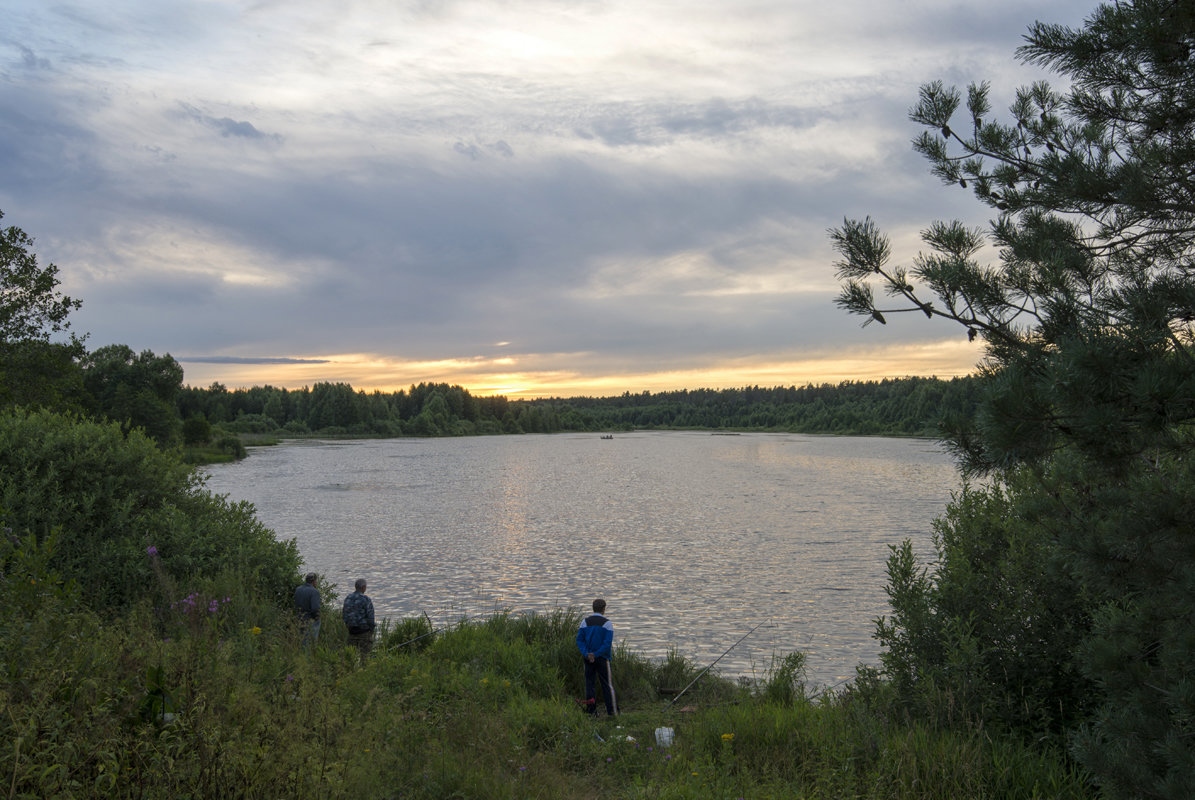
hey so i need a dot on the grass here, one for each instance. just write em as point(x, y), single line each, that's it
point(215, 698)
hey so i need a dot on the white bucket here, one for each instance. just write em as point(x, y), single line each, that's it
point(664, 737)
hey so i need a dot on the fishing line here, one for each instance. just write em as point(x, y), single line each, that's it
point(825, 689)
point(711, 666)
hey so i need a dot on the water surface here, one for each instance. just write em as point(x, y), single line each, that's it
point(693, 538)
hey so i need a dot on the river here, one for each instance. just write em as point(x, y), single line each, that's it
point(693, 538)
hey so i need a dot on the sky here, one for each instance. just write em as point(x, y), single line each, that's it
point(533, 198)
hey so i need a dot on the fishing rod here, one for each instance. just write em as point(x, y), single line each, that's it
point(711, 666)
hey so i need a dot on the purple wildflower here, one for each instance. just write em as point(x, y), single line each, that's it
point(151, 551)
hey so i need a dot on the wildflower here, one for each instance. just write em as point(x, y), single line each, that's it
point(151, 551)
point(214, 606)
point(726, 737)
point(522, 769)
point(256, 631)
point(290, 678)
point(609, 759)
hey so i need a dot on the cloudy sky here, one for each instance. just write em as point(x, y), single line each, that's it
point(532, 197)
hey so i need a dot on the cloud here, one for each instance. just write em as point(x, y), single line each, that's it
point(612, 189)
point(227, 127)
point(255, 360)
point(31, 61)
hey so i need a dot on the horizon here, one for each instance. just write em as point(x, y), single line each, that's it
point(947, 361)
point(609, 390)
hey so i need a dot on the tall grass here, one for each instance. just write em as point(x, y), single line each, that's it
point(215, 698)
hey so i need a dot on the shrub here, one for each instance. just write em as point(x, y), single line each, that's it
point(196, 431)
point(120, 503)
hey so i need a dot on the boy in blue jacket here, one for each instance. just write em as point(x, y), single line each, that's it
point(595, 640)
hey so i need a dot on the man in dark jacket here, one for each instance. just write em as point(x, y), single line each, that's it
point(595, 640)
point(307, 607)
point(358, 618)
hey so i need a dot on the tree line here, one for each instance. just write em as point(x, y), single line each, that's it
point(906, 406)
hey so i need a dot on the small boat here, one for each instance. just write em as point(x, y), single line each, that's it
point(607, 436)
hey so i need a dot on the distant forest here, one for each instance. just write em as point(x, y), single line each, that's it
point(146, 391)
point(904, 406)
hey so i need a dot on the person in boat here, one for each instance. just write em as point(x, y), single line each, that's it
point(595, 640)
point(358, 618)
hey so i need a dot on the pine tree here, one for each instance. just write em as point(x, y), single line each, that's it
point(1086, 321)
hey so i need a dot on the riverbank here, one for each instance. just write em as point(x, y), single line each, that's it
point(213, 696)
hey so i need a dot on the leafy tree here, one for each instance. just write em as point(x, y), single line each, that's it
point(1086, 321)
point(37, 373)
point(31, 307)
point(33, 370)
point(196, 431)
point(274, 409)
point(136, 390)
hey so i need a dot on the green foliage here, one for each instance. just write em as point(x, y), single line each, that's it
point(907, 406)
point(196, 431)
point(33, 370)
point(136, 390)
point(1088, 395)
point(479, 715)
point(31, 307)
point(785, 682)
point(41, 374)
point(112, 496)
point(989, 635)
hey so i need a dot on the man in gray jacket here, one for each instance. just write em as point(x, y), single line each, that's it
point(358, 618)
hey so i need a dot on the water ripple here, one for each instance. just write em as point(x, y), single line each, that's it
point(692, 538)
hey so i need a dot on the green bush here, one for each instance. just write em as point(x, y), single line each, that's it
point(990, 632)
point(196, 431)
point(251, 423)
point(124, 508)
